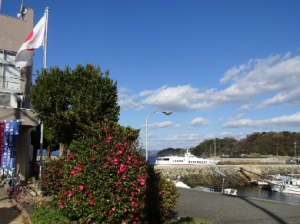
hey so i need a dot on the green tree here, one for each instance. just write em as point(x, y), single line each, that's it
point(72, 102)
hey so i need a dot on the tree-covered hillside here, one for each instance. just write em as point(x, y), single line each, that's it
point(265, 143)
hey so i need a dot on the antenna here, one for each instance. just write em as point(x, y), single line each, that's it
point(22, 12)
point(0, 5)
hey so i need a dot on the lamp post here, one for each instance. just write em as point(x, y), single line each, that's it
point(166, 113)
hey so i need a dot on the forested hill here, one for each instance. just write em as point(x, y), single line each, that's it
point(170, 152)
point(265, 143)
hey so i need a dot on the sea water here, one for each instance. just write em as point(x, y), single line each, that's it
point(257, 192)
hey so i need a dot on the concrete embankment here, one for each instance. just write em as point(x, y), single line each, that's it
point(213, 175)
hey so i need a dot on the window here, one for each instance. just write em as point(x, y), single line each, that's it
point(9, 74)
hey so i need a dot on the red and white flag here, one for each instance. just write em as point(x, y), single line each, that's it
point(34, 40)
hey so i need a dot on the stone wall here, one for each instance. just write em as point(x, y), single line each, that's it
point(213, 176)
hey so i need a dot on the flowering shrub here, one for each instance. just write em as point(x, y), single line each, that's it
point(110, 182)
point(52, 177)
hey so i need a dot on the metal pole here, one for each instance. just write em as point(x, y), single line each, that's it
point(295, 149)
point(215, 150)
point(45, 66)
point(166, 113)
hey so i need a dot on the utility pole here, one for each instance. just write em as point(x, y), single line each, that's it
point(296, 154)
point(215, 152)
point(295, 149)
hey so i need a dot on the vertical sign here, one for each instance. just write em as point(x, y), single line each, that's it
point(11, 130)
point(1, 140)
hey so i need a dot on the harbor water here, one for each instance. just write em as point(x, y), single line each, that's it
point(257, 192)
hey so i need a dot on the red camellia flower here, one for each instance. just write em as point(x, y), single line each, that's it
point(79, 168)
point(160, 192)
point(89, 219)
point(91, 202)
point(109, 137)
point(104, 129)
point(73, 172)
point(94, 146)
point(81, 187)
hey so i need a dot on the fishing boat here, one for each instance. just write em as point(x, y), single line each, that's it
point(290, 186)
point(187, 159)
point(230, 191)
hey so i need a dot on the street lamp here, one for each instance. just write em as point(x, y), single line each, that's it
point(166, 113)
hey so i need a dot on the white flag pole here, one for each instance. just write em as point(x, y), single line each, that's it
point(45, 66)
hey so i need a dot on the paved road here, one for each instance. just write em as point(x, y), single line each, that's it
point(217, 208)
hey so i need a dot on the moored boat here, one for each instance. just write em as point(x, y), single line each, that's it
point(290, 186)
point(188, 159)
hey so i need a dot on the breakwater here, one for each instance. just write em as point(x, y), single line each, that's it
point(213, 176)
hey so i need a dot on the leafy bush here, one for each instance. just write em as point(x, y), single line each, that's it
point(159, 207)
point(110, 182)
point(47, 215)
point(52, 177)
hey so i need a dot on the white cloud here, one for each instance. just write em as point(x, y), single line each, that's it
point(276, 122)
point(192, 140)
point(220, 120)
point(125, 101)
point(288, 98)
point(198, 122)
point(275, 74)
point(244, 107)
point(165, 124)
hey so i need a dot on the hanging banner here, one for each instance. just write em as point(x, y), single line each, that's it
point(11, 131)
point(1, 140)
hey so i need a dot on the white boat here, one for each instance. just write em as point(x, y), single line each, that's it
point(290, 186)
point(230, 191)
point(188, 159)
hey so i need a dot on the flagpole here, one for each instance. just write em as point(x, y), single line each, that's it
point(45, 66)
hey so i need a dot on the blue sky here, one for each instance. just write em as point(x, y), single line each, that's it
point(225, 68)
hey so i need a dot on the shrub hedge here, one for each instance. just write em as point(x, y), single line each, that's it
point(108, 181)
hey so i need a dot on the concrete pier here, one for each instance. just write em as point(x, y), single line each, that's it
point(213, 175)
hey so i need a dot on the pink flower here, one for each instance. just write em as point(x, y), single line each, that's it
point(81, 187)
point(89, 219)
point(94, 146)
point(107, 141)
point(123, 176)
point(109, 137)
point(123, 222)
point(160, 192)
point(79, 168)
point(70, 156)
point(76, 200)
point(91, 202)
point(132, 194)
point(124, 137)
point(104, 129)
point(118, 198)
point(73, 172)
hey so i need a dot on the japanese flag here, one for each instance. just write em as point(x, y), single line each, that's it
point(34, 40)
